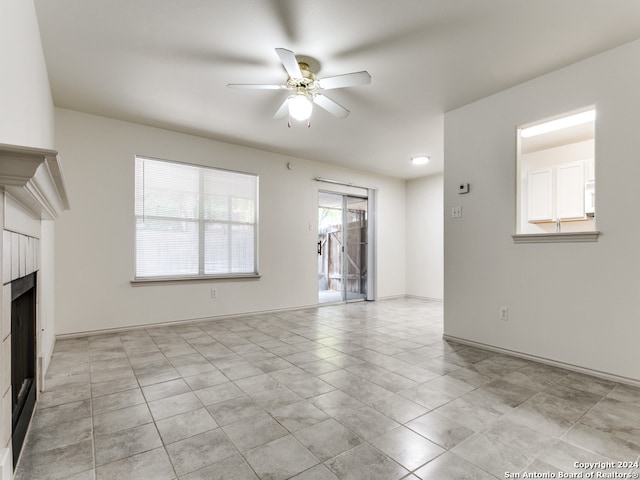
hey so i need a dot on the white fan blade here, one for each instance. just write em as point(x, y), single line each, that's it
point(283, 110)
point(330, 106)
point(346, 80)
point(243, 86)
point(288, 59)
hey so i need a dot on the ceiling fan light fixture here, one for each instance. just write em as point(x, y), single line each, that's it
point(420, 160)
point(306, 90)
point(300, 107)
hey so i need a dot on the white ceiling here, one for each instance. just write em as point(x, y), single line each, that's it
point(166, 63)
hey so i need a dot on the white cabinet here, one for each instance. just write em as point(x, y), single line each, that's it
point(541, 195)
point(557, 192)
point(570, 191)
point(589, 170)
point(590, 188)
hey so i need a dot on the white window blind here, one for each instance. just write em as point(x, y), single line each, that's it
point(194, 221)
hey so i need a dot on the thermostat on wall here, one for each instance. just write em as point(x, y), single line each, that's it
point(463, 188)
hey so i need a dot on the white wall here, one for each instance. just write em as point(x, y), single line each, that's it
point(94, 240)
point(26, 108)
point(573, 303)
point(425, 277)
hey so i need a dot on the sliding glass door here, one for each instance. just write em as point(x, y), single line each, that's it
point(342, 247)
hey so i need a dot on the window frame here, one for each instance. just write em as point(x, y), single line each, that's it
point(201, 223)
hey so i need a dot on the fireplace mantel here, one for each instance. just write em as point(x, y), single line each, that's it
point(33, 176)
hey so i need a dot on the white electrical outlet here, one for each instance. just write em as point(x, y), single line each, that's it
point(456, 212)
point(214, 293)
point(504, 314)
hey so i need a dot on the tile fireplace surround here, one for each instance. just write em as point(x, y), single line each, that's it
point(31, 190)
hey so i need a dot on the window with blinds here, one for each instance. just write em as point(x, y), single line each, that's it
point(194, 221)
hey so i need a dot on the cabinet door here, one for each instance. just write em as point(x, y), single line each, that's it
point(570, 191)
point(589, 170)
point(540, 195)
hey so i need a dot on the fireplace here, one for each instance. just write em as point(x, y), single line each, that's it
point(23, 358)
point(31, 190)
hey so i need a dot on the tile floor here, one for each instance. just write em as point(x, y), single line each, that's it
point(360, 391)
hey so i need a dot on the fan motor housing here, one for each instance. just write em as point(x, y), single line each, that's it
point(308, 80)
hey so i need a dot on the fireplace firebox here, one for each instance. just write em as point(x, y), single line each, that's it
point(23, 358)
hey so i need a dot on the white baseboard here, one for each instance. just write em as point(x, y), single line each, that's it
point(391, 297)
point(417, 297)
point(431, 299)
point(186, 321)
point(547, 361)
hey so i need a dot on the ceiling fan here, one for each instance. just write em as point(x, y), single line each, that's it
point(306, 89)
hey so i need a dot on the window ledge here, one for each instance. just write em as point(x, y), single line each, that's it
point(137, 282)
point(562, 237)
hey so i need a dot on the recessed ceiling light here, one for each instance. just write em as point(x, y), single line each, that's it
point(420, 160)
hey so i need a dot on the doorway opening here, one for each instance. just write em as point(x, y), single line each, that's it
point(343, 248)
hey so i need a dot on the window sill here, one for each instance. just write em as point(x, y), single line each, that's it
point(566, 237)
point(138, 282)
